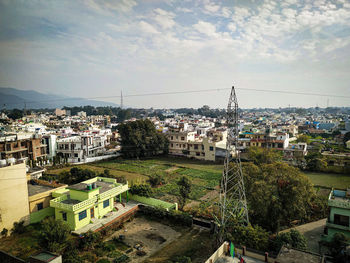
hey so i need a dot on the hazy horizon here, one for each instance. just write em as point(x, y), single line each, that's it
point(99, 48)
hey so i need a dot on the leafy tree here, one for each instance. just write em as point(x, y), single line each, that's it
point(304, 138)
point(185, 190)
point(140, 139)
point(141, 190)
point(156, 180)
point(293, 239)
point(15, 114)
point(315, 161)
point(54, 234)
point(260, 155)
point(76, 175)
point(251, 236)
point(277, 191)
point(18, 228)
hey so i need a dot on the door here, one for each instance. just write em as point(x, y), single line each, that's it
point(92, 213)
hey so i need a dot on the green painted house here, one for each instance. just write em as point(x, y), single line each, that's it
point(339, 215)
point(80, 203)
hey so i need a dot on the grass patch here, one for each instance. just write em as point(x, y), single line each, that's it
point(329, 180)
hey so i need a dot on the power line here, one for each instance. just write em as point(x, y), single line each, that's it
point(190, 91)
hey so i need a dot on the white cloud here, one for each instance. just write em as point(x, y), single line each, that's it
point(232, 27)
point(148, 28)
point(164, 18)
point(211, 7)
point(206, 28)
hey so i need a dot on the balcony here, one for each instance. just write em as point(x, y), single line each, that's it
point(63, 202)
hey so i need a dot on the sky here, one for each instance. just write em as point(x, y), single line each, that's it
point(100, 48)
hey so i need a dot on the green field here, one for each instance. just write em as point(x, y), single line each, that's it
point(329, 180)
point(204, 176)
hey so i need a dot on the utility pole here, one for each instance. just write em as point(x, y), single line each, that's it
point(233, 201)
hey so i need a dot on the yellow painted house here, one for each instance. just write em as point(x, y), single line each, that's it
point(80, 203)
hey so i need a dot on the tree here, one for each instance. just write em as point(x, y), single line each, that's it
point(75, 175)
point(277, 191)
point(156, 179)
point(293, 239)
point(4, 232)
point(141, 190)
point(15, 114)
point(260, 155)
point(315, 161)
point(304, 138)
point(54, 234)
point(89, 240)
point(140, 139)
point(185, 190)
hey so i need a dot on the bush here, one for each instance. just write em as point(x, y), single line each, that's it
point(141, 190)
point(18, 228)
point(89, 240)
point(103, 260)
point(175, 217)
point(293, 239)
point(4, 232)
point(54, 234)
point(121, 259)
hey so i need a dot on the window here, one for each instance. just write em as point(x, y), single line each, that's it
point(211, 148)
point(341, 220)
point(82, 215)
point(198, 153)
point(196, 147)
point(40, 206)
point(182, 138)
point(23, 144)
point(64, 216)
point(75, 155)
point(105, 203)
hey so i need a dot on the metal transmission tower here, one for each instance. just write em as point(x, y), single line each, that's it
point(232, 192)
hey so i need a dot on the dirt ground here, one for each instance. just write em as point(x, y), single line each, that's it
point(150, 235)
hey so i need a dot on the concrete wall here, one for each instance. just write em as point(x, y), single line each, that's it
point(218, 253)
point(14, 205)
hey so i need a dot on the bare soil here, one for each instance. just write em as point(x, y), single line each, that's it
point(146, 235)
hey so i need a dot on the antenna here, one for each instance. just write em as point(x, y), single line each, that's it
point(233, 201)
point(121, 99)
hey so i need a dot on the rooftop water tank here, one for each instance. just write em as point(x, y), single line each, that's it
point(11, 160)
point(3, 163)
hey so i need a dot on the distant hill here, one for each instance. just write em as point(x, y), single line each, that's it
point(15, 98)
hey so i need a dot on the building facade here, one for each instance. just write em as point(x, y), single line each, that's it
point(13, 195)
point(339, 214)
point(80, 203)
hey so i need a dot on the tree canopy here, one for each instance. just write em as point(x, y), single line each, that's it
point(278, 194)
point(140, 139)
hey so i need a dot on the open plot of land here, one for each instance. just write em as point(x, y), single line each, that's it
point(150, 236)
point(329, 180)
point(204, 176)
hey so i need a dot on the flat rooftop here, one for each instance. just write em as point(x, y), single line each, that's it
point(37, 189)
point(103, 186)
point(289, 255)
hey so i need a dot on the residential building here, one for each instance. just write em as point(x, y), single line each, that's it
point(59, 112)
point(277, 141)
point(20, 146)
point(348, 144)
point(13, 194)
point(339, 214)
point(39, 196)
point(50, 141)
point(78, 148)
point(178, 141)
point(81, 203)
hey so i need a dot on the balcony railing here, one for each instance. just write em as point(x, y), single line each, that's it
point(57, 202)
point(339, 203)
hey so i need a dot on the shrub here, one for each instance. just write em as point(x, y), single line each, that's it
point(89, 240)
point(121, 259)
point(293, 239)
point(54, 234)
point(141, 190)
point(4, 232)
point(175, 217)
point(103, 260)
point(18, 228)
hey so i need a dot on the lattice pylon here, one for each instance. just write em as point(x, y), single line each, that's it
point(233, 201)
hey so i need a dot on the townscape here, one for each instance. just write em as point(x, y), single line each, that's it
point(96, 179)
